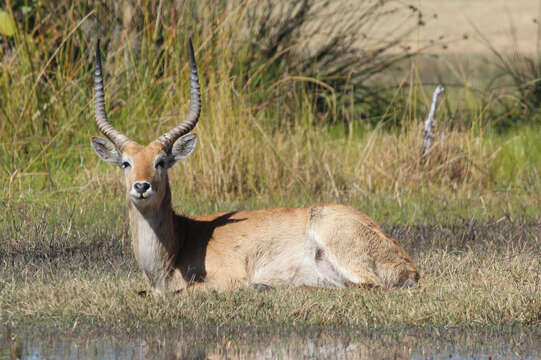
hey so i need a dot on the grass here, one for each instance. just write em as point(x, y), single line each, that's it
point(483, 176)
point(60, 268)
point(271, 142)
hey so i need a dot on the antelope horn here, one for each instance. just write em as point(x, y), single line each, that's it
point(117, 138)
point(168, 139)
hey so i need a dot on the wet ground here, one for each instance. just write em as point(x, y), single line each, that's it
point(44, 343)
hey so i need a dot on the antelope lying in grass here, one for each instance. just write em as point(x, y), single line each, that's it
point(326, 245)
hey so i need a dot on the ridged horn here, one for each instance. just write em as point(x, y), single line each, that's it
point(118, 139)
point(169, 138)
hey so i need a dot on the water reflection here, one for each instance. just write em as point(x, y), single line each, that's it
point(311, 344)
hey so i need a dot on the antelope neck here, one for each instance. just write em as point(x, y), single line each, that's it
point(159, 220)
point(154, 239)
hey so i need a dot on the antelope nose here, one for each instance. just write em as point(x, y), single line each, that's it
point(141, 186)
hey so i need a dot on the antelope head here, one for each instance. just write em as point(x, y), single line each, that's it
point(145, 167)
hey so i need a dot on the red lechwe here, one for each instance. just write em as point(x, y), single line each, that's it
point(326, 245)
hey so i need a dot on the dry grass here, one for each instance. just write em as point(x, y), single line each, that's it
point(464, 174)
point(473, 274)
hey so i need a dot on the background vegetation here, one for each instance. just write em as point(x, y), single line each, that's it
point(296, 108)
point(301, 103)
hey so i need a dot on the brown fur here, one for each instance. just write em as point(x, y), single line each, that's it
point(326, 245)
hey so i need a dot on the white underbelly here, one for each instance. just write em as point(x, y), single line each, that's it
point(308, 263)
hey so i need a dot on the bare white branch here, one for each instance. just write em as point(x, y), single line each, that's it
point(428, 134)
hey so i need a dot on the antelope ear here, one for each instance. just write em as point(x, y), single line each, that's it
point(106, 150)
point(182, 148)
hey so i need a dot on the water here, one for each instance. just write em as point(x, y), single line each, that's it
point(43, 343)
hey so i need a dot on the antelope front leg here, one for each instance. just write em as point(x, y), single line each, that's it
point(367, 280)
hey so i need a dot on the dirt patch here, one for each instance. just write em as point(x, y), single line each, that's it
point(509, 26)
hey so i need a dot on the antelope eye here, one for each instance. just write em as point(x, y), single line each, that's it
point(125, 165)
point(160, 163)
